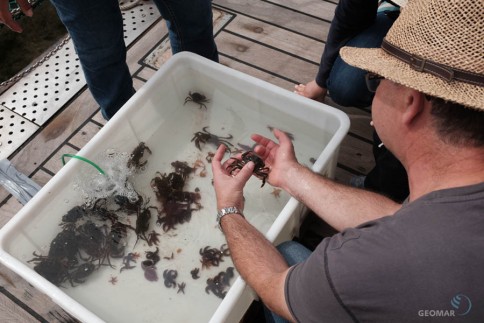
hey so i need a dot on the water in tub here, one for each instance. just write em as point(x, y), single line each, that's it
point(127, 295)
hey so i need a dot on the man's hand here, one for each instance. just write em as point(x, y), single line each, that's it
point(6, 16)
point(280, 158)
point(229, 189)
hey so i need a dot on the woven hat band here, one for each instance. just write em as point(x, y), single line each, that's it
point(440, 70)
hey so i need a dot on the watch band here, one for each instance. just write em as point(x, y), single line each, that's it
point(227, 210)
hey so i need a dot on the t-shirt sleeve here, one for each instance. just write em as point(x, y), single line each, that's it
point(309, 293)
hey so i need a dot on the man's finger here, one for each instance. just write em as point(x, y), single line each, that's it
point(217, 157)
point(25, 7)
point(246, 171)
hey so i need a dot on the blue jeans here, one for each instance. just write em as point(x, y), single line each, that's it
point(293, 253)
point(346, 84)
point(96, 29)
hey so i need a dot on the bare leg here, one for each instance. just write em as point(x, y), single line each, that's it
point(311, 90)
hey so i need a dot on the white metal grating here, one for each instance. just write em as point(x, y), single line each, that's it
point(161, 53)
point(43, 92)
point(14, 131)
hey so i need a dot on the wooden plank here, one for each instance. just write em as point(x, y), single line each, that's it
point(291, 68)
point(356, 155)
point(54, 164)
point(278, 16)
point(41, 177)
point(83, 135)
point(320, 9)
point(146, 73)
point(140, 48)
point(296, 44)
point(98, 117)
point(34, 301)
point(8, 210)
point(273, 79)
point(11, 312)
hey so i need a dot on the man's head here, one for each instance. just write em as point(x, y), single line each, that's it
point(434, 48)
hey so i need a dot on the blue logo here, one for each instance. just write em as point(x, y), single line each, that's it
point(462, 304)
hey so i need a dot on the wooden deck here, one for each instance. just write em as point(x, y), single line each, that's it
point(279, 41)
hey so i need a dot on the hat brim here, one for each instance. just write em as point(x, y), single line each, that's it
point(377, 61)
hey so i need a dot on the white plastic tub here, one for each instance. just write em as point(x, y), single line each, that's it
point(239, 105)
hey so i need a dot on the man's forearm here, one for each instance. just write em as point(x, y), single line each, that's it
point(339, 205)
point(258, 262)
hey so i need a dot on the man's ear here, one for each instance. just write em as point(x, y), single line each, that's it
point(414, 106)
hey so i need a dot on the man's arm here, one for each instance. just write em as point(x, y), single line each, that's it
point(339, 205)
point(256, 259)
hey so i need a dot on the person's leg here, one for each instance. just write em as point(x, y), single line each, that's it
point(346, 84)
point(96, 29)
point(190, 26)
point(294, 253)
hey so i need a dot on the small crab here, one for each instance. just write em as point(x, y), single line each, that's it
point(195, 273)
point(169, 276)
point(130, 257)
point(182, 168)
point(202, 137)
point(211, 256)
point(276, 192)
point(153, 238)
point(260, 169)
point(197, 98)
point(137, 155)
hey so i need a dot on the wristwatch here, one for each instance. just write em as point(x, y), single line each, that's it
point(225, 211)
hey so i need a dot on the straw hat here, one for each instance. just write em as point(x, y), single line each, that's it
point(435, 47)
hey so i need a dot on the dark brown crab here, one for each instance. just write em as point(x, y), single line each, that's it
point(260, 169)
point(213, 256)
point(219, 284)
point(197, 98)
point(174, 213)
point(136, 156)
point(182, 168)
point(202, 137)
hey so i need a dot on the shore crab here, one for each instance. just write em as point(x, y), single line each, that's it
point(219, 284)
point(130, 257)
point(203, 137)
point(213, 256)
point(175, 213)
point(136, 156)
point(260, 169)
point(195, 273)
point(197, 98)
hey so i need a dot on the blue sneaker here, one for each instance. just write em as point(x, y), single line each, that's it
point(358, 181)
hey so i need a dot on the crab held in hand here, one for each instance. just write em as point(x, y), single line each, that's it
point(260, 169)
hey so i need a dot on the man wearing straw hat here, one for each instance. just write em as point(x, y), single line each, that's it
point(419, 261)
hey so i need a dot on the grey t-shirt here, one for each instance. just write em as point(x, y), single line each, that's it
point(425, 263)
